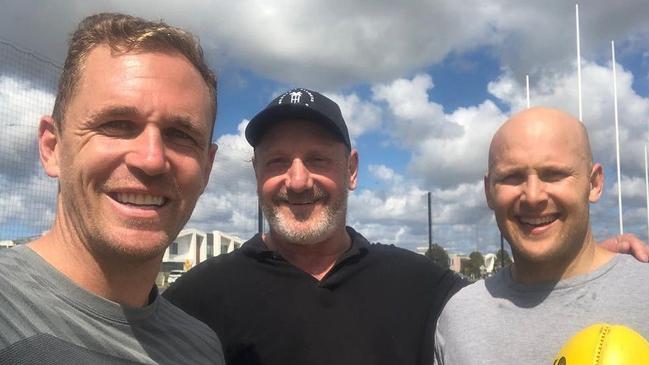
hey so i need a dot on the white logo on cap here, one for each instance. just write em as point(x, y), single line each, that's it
point(296, 96)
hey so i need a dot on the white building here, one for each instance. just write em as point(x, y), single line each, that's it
point(193, 246)
point(457, 260)
point(489, 263)
point(421, 250)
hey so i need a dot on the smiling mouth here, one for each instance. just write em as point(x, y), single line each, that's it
point(538, 221)
point(139, 200)
point(302, 202)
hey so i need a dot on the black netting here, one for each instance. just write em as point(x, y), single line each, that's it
point(27, 89)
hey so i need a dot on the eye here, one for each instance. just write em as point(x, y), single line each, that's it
point(277, 162)
point(511, 179)
point(318, 162)
point(554, 175)
point(179, 136)
point(175, 133)
point(117, 128)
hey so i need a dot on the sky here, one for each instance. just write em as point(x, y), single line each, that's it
point(423, 85)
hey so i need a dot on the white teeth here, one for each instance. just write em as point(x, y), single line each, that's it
point(139, 199)
point(537, 221)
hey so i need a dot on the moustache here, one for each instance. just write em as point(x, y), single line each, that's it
point(287, 196)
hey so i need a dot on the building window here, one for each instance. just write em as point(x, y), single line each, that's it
point(224, 244)
point(173, 248)
point(210, 245)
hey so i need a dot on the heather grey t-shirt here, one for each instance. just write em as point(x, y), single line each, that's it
point(47, 319)
point(498, 321)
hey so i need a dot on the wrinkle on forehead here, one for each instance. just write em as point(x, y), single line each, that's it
point(541, 124)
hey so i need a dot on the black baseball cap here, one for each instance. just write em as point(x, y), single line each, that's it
point(298, 104)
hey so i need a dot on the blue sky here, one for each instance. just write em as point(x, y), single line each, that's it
point(422, 84)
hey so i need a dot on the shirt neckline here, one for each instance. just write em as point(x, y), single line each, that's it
point(565, 283)
point(68, 291)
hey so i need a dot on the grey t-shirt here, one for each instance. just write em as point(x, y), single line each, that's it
point(498, 321)
point(47, 319)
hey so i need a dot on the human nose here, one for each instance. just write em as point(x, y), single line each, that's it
point(148, 153)
point(534, 191)
point(298, 177)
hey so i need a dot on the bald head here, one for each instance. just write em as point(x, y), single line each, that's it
point(540, 124)
point(540, 182)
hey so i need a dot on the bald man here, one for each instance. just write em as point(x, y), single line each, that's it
point(539, 183)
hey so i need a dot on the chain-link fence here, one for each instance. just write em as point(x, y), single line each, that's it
point(28, 197)
point(27, 89)
point(229, 204)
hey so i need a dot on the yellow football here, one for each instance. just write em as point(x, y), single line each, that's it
point(604, 344)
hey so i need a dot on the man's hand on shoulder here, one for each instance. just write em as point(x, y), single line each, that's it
point(628, 243)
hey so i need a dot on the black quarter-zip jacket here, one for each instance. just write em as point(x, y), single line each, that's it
point(377, 305)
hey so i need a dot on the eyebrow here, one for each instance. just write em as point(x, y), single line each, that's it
point(517, 169)
point(499, 170)
point(183, 121)
point(113, 111)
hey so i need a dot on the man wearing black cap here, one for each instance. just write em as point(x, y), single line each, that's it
point(311, 290)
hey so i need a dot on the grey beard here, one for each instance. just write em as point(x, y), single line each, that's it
point(333, 218)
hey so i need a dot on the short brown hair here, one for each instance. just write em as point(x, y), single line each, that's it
point(125, 33)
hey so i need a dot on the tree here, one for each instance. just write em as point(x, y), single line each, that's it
point(477, 258)
point(499, 254)
point(439, 256)
point(477, 261)
point(475, 266)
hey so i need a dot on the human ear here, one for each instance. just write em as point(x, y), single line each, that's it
point(596, 183)
point(48, 143)
point(487, 190)
point(207, 169)
point(352, 169)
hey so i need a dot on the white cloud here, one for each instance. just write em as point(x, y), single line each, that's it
point(384, 44)
point(328, 44)
point(361, 116)
point(416, 118)
point(463, 158)
point(27, 195)
point(21, 106)
point(345, 42)
point(452, 166)
point(229, 202)
point(384, 173)
point(559, 90)
point(447, 149)
point(27, 207)
point(398, 214)
point(633, 189)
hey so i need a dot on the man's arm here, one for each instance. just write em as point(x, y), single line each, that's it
point(628, 243)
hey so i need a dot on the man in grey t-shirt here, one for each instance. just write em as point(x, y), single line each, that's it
point(540, 182)
point(130, 144)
